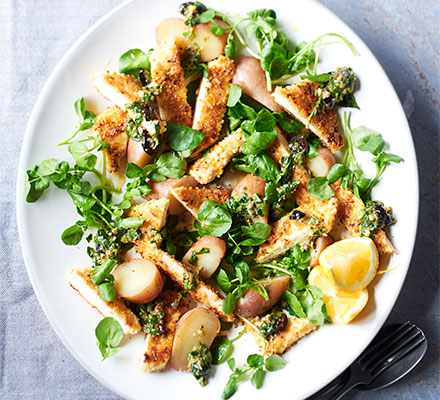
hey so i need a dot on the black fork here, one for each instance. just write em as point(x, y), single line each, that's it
point(382, 355)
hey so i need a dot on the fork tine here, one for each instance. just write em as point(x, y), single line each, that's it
point(386, 343)
point(373, 350)
point(392, 348)
point(397, 356)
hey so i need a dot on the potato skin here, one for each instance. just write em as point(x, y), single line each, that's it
point(252, 303)
point(321, 164)
point(197, 326)
point(130, 272)
point(320, 245)
point(251, 184)
point(136, 153)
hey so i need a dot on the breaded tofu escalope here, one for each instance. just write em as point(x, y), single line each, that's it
point(211, 101)
point(299, 101)
point(120, 89)
point(158, 348)
point(349, 209)
point(212, 165)
point(296, 329)
point(110, 125)
point(192, 197)
point(80, 280)
point(167, 74)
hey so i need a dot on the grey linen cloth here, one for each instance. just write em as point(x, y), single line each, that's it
point(34, 34)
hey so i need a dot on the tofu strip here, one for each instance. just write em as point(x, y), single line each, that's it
point(212, 165)
point(167, 74)
point(299, 100)
point(80, 280)
point(211, 101)
point(295, 330)
point(120, 89)
point(349, 209)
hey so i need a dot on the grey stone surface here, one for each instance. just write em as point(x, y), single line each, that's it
point(404, 36)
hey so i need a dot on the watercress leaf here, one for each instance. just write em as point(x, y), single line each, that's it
point(231, 364)
point(275, 363)
point(47, 167)
point(234, 94)
point(258, 164)
point(230, 48)
point(229, 303)
point(294, 306)
point(169, 165)
point(102, 271)
point(319, 188)
point(72, 235)
point(336, 172)
point(255, 361)
point(258, 142)
point(366, 139)
point(318, 78)
point(290, 124)
point(42, 183)
point(312, 152)
point(214, 219)
point(257, 230)
point(132, 222)
point(82, 201)
point(258, 378)
point(80, 107)
point(316, 314)
point(182, 139)
point(230, 389)
point(217, 30)
point(239, 113)
point(207, 16)
point(384, 159)
point(132, 60)
point(134, 171)
point(241, 271)
point(223, 280)
point(109, 334)
point(107, 291)
point(265, 121)
point(221, 349)
point(31, 193)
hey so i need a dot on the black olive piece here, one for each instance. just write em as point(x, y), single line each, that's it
point(142, 77)
point(280, 323)
point(384, 217)
point(147, 143)
point(148, 110)
point(296, 214)
point(298, 144)
point(201, 8)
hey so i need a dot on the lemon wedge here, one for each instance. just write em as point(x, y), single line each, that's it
point(342, 306)
point(352, 262)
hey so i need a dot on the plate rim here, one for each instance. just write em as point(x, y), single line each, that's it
point(30, 126)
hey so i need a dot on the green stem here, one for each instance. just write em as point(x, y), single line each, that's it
point(68, 140)
point(239, 335)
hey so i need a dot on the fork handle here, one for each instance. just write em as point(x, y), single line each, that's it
point(350, 384)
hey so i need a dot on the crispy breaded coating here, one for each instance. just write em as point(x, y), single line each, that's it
point(185, 278)
point(212, 165)
point(120, 89)
point(295, 330)
point(158, 348)
point(349, 209)
point(167, 74)
point(211, 101)
point(154, 213)
point(80, 280)
point(192, 197)
point(299, 101)
point(110, 125)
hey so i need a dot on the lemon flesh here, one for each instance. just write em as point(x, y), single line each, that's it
point(352, 262)
point(342, 306)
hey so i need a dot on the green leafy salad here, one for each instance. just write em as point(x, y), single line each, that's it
point(207, 189)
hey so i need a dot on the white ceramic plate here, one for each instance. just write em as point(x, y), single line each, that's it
point(315, 360)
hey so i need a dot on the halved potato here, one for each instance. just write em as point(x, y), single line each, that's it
point(321, 164)
point(197, 326)
point(136, 154)
point(230, 179)
point(138, 281)
point(207, 262)
point(210, 46)
point(252, 303)
point(161, 190)
point(251, 184)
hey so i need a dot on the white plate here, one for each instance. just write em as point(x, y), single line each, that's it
point(315, 360)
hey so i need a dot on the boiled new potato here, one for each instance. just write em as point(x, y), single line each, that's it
point(252, 79)
point(197, 326)
point(207, 262)
point(138, 281)
point(210, 46)
point(321, 164)
point(321, 243)
point(161, 190)
point(251, 184)
point(230, 179)
point(136, 154)
point(252, 303)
